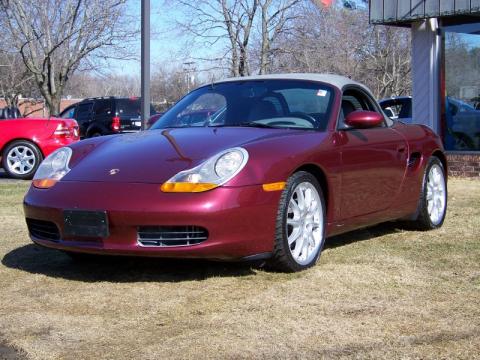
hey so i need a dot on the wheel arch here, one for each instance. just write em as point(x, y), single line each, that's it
point(22, 139)
point(321, 177)
point(443, 159)
point(94, 128)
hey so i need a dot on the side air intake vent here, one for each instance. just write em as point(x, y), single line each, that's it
point(413, 159)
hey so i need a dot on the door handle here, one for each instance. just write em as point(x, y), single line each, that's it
point(401, 149)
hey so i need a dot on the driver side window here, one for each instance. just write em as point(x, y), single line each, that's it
point(353, 100)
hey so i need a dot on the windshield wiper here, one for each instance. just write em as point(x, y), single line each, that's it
point(219, 125)
point(246, 124)
point(257, 124)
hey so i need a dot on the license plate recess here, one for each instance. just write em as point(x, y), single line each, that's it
point(85, 223)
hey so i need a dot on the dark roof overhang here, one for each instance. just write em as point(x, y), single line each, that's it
point(404, 12)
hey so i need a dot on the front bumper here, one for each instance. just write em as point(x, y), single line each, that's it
point(240, 220)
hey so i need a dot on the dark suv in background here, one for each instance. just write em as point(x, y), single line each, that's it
point(106, 115)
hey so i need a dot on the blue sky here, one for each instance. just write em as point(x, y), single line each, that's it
point(164, 44)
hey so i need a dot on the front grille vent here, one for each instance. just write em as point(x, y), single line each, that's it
point(164, 236)
point(45, 230)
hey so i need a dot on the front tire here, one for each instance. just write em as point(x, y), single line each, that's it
point(21, 159)
point(432, 205)
point(300, 224)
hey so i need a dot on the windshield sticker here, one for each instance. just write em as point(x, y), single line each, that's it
point(322, 93)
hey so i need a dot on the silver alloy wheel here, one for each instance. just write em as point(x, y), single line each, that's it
point(21, 160)
point(304, 223)
point(436, 194)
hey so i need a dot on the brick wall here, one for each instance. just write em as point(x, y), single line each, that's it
point(465, 165)
point(36, 108)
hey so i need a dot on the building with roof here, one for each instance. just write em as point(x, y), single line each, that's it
point(445, 71)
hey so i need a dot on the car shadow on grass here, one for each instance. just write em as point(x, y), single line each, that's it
point(38, 260)
point(364, 234)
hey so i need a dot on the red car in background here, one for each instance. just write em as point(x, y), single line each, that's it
point(24, 142)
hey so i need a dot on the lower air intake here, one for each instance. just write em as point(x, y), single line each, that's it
point(165, 236)
point(45, 230)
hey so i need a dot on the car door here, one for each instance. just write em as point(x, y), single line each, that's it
point(83, 116)
point(102, 113)
point(373, 160)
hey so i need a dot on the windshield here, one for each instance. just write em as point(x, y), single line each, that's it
point(258, 103)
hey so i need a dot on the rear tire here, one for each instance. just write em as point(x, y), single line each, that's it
point(300, 224)
point(21, 159)
point(432, 204)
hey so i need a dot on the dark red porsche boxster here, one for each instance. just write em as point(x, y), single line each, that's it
point(283, 162)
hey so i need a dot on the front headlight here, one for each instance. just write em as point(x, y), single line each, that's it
point(53, 168)
point(214, 172)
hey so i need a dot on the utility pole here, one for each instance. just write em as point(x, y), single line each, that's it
point(145, 62)
point(188, 68)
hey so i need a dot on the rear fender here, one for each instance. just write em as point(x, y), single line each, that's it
point(422, 144)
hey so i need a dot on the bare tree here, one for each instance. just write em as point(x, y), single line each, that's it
point(15, 80)
point(233, 24)
point(55, 37)
point(323, 40)
point(92, 84)
point(169, 84)
point(275, 17)
point(338, 40)
point(214, 22)
point(387, 65)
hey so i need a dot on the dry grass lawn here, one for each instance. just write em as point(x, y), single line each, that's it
point(377, 293)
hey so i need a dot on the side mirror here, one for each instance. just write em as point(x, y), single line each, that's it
point(364, 119)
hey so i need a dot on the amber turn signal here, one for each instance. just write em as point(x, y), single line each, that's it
point(274, 186)
point(185, 187)
point(44, 183)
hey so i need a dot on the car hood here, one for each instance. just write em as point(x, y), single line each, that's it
point(155, 156)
